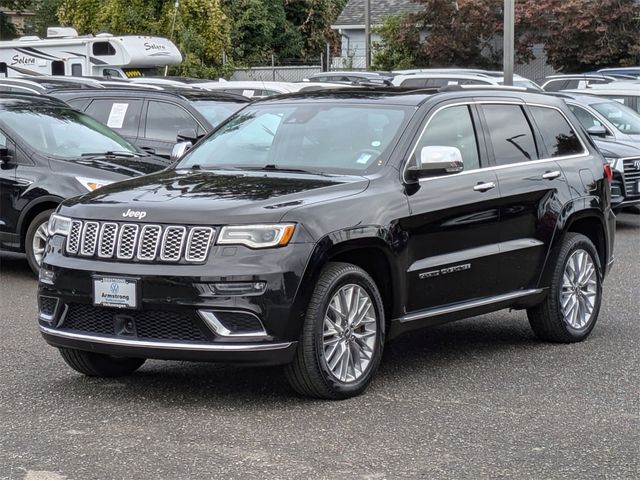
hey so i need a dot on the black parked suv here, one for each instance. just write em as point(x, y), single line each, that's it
point(153, 120)
point(49, 152)
point(309, 229)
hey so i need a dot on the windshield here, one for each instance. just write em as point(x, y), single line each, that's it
point(216, 112)
point(623, 118)
point(63, 132)
point(327, 138)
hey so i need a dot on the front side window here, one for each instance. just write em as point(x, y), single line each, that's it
point(510, 134)
point(165, 120)
point(62, 132)
point(330, 138)
point(216, 112)
point(623, 118)
point(453, 127)
point(558, 136)
point(586, 118)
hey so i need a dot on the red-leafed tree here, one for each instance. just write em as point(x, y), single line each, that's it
point(581, 35)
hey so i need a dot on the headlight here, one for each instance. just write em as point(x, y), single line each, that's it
point(610, 160)
point(92, 184)
point(257, 236)
point(58, 225)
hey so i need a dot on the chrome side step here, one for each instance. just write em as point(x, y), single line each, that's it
point(459, 307)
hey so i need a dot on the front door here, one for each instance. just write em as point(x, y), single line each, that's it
point(453, 224)
point(9, 191)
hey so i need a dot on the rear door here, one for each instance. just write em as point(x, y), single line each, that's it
point(121, 114)
point(452, 229)
point(533, 187)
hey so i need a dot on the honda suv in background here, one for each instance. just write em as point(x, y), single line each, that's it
point(308, 230)
point(153, 120)
point(49, 152)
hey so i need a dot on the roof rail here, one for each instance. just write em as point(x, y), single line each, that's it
point(458, 88)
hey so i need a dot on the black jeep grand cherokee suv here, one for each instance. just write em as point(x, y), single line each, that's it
point(309, 229)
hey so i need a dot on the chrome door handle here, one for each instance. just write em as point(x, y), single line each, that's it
point(483, 187)
point(551, 175)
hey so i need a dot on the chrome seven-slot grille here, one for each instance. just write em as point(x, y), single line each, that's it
point(139, 242)
point(632, 176)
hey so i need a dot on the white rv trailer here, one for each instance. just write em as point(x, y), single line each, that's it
point(63, 52)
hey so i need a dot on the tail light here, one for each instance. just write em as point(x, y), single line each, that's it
point(608, 173)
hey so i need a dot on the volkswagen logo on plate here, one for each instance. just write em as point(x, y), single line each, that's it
point(636, 164)
point(114, 288)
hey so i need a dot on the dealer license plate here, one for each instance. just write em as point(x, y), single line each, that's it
point(115, 292)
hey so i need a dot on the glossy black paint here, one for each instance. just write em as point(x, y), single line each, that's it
point(492, 249)
point(32, 182)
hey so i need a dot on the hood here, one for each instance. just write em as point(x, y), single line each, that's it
point(211, 197)
point(111, 168)
point(618, 149)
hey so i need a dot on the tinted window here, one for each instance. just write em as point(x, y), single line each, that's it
point(453, 127)
point(165, 120)
point(558, 136)
point(57, 67)
point(510, 134)
point(3, 69)
point(123, 115)
point(414, 82)
point(103, 49)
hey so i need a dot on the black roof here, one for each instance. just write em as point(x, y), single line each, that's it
point(13, 99)
point(187, 94)
point(411, 97)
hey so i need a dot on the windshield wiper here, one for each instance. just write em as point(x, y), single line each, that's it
point(112, 153)
point(271, 167)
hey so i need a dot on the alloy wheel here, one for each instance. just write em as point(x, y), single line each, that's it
point(579, 289)
point(349, 333)
point(39, 242)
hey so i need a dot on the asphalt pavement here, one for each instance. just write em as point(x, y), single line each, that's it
point(480, 398)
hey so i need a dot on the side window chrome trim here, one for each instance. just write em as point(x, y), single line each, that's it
point(585, 151)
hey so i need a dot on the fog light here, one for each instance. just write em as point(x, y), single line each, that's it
point(233, 289)
point(46, 276)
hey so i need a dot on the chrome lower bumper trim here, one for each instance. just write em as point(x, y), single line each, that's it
point(200, 347)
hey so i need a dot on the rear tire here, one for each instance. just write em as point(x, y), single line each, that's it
point(99, 365)
point(36, 240)
point(342, 337)
point(570, 310)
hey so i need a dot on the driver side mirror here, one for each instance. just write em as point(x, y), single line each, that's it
point(179, 149)
point(187, 135)
point(6, 156)
point(436, 160)
point(597, 131)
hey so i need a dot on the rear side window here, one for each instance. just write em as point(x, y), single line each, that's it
point(558, 136)
point(510, 134)
point(453, 127)
point(123, 115)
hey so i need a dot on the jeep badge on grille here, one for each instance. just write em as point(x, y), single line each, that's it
point(139, 214)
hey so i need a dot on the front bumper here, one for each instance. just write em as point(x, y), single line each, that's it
point(177, 315)
point(254, 353)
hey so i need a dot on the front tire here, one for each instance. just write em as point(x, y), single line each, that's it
point(99, 365)
point(36, 240)
point(570, 310)
point(343, 335)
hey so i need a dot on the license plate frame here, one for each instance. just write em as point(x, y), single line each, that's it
point(116, 292)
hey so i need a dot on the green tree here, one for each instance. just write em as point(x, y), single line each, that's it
point(399, 45)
